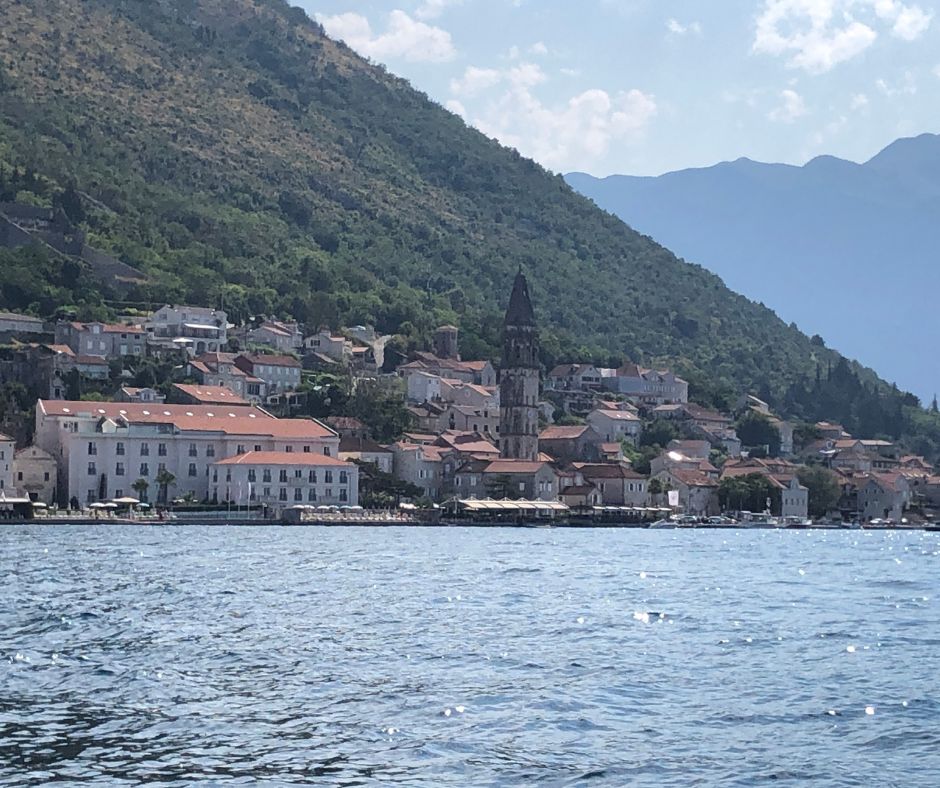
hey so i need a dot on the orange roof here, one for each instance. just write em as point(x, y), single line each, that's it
point(563, 433)
point(618, 415)
point(284, 458)
point(228, 419)
point(692, 478)
point(211, 395)
point(270, 359)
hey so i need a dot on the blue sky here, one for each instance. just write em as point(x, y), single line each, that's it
point(641, 87)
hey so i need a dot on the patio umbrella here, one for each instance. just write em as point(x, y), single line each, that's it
point(97, 505)
point(125, 501)
point(109, 506)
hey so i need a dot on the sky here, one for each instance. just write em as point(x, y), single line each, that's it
point(642, 87)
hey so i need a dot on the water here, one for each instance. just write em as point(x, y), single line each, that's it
point(422, 656)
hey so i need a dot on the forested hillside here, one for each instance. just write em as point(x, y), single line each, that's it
point(237, 156)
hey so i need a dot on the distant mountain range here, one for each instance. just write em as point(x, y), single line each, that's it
point(847, 251)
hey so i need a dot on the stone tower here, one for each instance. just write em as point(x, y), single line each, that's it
point(445, 343)
point(519, 378)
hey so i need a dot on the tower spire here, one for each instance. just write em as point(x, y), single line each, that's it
point(519, 377)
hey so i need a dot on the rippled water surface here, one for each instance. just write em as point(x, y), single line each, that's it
point(424, 656)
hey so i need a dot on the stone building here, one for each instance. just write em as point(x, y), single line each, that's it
point(519, 378)
point(35, 474)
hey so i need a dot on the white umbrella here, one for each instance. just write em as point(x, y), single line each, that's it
point(109, 506)
point(126, 500)
point(97, 505)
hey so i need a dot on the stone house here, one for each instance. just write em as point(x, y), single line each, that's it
point(146, 394)
point(329, 344)
point(219, 369)
point(35, 474)
point(279, 372)
point(197, 330)
point(578, 443)
point(363, 449)
point(882, 496)
point(103, 340)
point(698, 493)
point(7, 449)
point(13, 324)
point(420, 465)
point(616, 425)
point(646, 386)
point(285, 337)
point(529, 480)
point(574, 377)
point(617, 483)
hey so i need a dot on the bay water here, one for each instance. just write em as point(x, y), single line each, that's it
point(213, 655)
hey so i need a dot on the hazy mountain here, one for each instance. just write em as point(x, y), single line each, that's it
point(845, 250)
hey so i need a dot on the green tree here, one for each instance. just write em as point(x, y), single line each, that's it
point(502, 486)
point(658, 433)
point(823, 486)
point(749, 493)
point(164, 480)
point(756, 431)
point(140, 487)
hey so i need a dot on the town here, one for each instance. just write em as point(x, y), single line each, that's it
point(177, 409)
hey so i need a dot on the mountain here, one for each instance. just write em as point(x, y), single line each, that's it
point(847, 251)
point(235, 155)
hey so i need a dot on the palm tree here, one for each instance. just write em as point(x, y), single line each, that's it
point(140, 487)
point(164, 480)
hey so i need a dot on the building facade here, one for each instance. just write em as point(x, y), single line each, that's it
point(36, 474)
point(519, 378)
point(7, 447)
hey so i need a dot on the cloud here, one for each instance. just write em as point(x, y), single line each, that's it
point(936, 71)
point(538, 48)
point(904, 87)
point(817, 35)
point(475, 80)
point(403, 39)
point(573, 134)
point(676, 28)
point(432, 9)
point(792, 107)
point(457, 108)
point(859, 101)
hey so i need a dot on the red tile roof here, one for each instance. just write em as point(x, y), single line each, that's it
point(228, 419)
point(563, 433)
point(514, 466)
point(284, 458)
point(270, 359)
point(211, 395)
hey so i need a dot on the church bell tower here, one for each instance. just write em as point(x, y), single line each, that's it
point(519, 378)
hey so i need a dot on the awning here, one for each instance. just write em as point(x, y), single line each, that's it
point(506, 505)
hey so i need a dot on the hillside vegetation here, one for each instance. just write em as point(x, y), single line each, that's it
point(238, 156)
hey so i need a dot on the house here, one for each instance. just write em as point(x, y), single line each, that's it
point(794, 499)
point(131, 394)
point(219, 369)
point(279, 373)
point(280, 479)
point(187, 393)
point(673, 460)
point(362, 449)
point(616, 425)
point(882, 496)
point(530, 480)
point(480, 372)
point(35, 474)
point(331, 345)
point(103, 340)
point(698, 450)
point(347, 426)
point(282, 336)
point(13, 324)
point(830, 431)
point(102, 448)
point(571, 443)
point(646, 386)
point(418, 464)
point(618, 484)
point(466, 418)
point(698, 493)
point(7, 448)
point(197, 330)
point(580, 496)
point(574, 377)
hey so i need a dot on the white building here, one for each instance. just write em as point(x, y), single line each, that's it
point(285, 337)
point(794, 499)
point(36, 474)
point(102, 448)
point(329, 344)
point(281, 479)
point(279, 373)
point(196, 329)
point(7, 447)
point(649, 386)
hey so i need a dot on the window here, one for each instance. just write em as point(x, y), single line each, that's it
point(192, 469)
point(328, 492)
point(306, 450)
point(161, 450)
point(283, 494)
point(266, 475)
point(119, 493)
point(119, 449)
point(312, 476)
point(298, 473)
point(215, 476)
point(92, 448)
point(343, 477)
point(193, 452)
point(92, 471)
point(119, 470)
point(267, 492)
point(326, 450)
point(282, 476)
point(19, 476)
point(252, 496)
point(144, 449)
point(328, 477)
point(342, 495)
point(298, 494)
point(251, 475)
point(289, 449)
point(228, 474)
point(161, 466)
point(311, 494)
point(240, 449)
point(210, 450)
point(257, 447)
